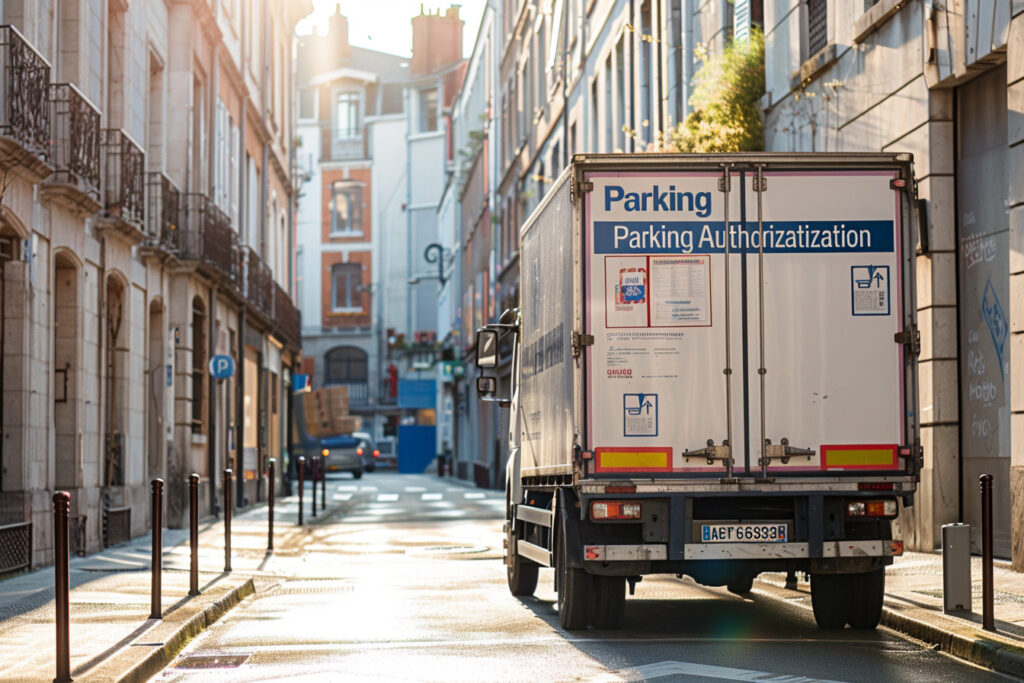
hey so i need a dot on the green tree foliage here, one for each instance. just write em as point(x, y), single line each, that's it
point(725, 106)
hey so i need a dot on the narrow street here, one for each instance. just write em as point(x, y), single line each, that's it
point(404, 581)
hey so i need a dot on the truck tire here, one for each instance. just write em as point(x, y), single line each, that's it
point(357, 475)
point(867, 592)
point(830, 598)
point(522, 575)
point(573, 591)
point(608, 601)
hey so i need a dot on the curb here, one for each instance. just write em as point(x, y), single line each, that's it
point(158, 659)
point(989, 653)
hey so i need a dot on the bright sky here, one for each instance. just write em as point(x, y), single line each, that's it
point(385, 25)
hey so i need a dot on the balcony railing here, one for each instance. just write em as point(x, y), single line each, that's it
point(259, 283)
point(289, 320)
point(207, 237)
point(162, 208)
point(123, 177)
point(75, 140)
point(24, 106)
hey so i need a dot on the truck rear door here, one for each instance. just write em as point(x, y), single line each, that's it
point(810, 283)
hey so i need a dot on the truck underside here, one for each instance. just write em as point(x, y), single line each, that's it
point(594, 559)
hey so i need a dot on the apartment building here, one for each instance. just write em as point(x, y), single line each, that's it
point(145, 155)
point(371, 154)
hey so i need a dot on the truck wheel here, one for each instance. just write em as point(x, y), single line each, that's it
point(573, 592)
point(522, 575)
point(867, 592)
point(357, 475)
point(830, 598)
point(608, 601)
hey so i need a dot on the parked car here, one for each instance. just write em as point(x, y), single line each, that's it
point(343, 454)
point(366, 450)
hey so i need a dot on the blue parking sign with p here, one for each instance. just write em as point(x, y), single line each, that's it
point(222, 367)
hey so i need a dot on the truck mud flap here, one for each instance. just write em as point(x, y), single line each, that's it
point(569, 522)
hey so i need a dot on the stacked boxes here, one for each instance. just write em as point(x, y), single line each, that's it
point(326, 412)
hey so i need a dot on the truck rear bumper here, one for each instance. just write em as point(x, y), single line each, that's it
point(740, 551)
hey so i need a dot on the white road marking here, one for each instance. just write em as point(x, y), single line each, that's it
point(342, 496)
point(348, 487)
point(673, 668)
point(367, 488)
point(415, 489)
point(432, 496)
point(473, 496)
point(387, 497)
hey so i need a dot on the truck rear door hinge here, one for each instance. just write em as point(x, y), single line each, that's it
point(911, 338)
point(579, 340)
point(578, 188)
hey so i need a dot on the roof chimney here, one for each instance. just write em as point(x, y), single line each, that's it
point(436, 41)
point(337, 37)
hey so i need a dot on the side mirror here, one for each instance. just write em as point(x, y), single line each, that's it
point(485, 386)
point(486, 348)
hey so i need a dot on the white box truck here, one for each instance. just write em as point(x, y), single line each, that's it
point(690, 399)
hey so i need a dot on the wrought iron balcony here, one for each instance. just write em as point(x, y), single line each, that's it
point(259, 283)
point(163, 230)
point(24, 98)
point(207, 236)
point(289, 321)
point(124, 165)
point(75, 145)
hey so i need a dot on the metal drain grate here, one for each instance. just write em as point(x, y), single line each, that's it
point(212, 662)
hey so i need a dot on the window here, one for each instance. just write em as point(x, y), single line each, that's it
point(817, 26)
point(346, 279)
point(346, 125)
point(620, 91)
point(307, 103)
point(346, 208)
point(427, 110)
point(609, 135)
point(345, 365)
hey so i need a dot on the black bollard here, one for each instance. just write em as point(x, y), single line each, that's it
point(323, 484)
point(227, 519)
point(302, 484)
point(193, 533)
point(156, 564)
point(271, 480)
point(987, 618)
point(313, 466)
point(62, 583)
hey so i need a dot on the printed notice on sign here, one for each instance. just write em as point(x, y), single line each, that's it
point(658, 291)
point(682, 293)
point(870, 290)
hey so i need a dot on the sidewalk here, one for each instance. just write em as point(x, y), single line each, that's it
point(112, 636)
point(913, 606)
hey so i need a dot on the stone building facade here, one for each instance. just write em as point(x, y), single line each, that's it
point(145, 155)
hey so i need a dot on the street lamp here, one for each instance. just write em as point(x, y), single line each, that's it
point(434, 253)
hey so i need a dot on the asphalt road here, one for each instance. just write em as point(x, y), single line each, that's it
point(407, 583)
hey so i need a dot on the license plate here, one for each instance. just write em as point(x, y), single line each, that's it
point(743, 533)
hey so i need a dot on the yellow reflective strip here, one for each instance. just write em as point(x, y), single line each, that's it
point(859, 456)
point(627, 459)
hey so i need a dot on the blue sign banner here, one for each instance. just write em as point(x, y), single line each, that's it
point(780, 237)
point(222, 367)
point(417, 394)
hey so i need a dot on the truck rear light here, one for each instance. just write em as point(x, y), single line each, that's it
point(875, 486)
point(620, 489)
point(376, 453)
point(325, 452)
point(896, 548)
point(359, 452)
point(871, 508)
point(615, 509)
